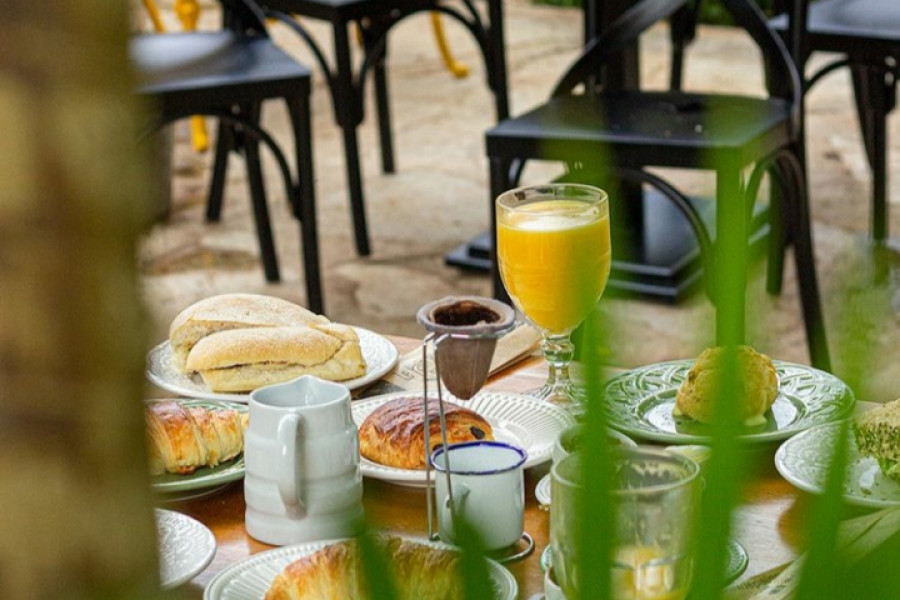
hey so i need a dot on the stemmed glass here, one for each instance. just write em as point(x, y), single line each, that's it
point(553, 250)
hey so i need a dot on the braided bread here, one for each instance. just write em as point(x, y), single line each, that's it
point(185, 438)
point(419, 572)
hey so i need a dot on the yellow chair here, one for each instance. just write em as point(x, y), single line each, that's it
point(458, 69)
point(188, 12)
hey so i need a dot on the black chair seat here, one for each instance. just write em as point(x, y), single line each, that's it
point(649, 125)
point(230, 74)
point(840, 26)
point(214, 69)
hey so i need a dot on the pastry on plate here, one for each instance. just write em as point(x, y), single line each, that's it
point(232, 311)
point(184, 438)
point(418, 571)
point(754, 390)
point(240, 360)
point(878, 436)
point(394, 433)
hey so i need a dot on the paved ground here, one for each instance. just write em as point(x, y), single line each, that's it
point(438, 199)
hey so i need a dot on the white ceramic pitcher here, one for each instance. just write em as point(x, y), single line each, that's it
point(302, 480)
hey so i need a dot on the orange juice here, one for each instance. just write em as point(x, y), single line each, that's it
point(554, 258)
point(646, 575)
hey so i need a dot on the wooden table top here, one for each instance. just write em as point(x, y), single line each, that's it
point(767, 523)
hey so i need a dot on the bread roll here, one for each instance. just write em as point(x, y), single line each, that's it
point(419, 572)
point(240, 360)
point(184, 438)
point(232, 311)
point(394, 433)
point(754, 391)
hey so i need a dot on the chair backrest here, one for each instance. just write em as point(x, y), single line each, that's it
point(244, 17)
point(781, 74)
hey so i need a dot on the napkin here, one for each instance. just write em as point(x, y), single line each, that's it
point(856, 538)
point(516, 345)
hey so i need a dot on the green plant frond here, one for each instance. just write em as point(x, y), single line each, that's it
point(597, 512)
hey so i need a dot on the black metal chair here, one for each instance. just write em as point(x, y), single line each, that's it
point(228, 74)
point(618, 133)
point(866, 35)
point(346, 81)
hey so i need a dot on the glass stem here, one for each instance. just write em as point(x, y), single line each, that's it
point(558, 351)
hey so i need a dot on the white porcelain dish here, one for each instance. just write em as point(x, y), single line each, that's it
point(527, 422)
point(250, 578)
point(186, 547)
point(378, 351)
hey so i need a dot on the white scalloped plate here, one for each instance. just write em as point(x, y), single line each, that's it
point(378, 351)
point(804, 459)
point(251, 578)
point(186, 547)
point(527, 422)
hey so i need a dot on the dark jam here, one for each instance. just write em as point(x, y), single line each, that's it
point(464, 313)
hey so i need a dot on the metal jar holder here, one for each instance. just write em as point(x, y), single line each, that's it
point(463, 332)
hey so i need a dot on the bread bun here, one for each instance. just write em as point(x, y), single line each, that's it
point(232, 311)
point(394, 433)
point(754, 390)
point(418, 571)
point(240, 360)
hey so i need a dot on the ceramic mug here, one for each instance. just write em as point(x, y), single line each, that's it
point(301, 450)
point(488, 491)
point(655, 495)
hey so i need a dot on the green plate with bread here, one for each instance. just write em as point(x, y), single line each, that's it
point(641, 402)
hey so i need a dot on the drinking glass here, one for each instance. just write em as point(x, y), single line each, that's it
point(655, 494)
point(553, 251)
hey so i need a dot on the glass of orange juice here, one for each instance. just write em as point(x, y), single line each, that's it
point(553, 251)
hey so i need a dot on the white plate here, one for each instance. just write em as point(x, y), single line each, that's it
point(378, 351)
point(250, 578)
point(186, 547)
point(804, 460)
point(527, 422)
point(542, 490)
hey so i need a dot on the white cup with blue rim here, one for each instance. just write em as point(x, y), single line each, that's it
point(487, 482)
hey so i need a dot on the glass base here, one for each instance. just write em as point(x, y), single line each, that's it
point(565, 395)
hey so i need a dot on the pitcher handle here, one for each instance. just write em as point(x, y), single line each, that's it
point(289, 485)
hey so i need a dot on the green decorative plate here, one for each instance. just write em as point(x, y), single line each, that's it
point(640, 403)
point(205, 479)
point(737, 561)
point(803, 461)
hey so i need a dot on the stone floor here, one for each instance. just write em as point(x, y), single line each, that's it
point(438, 199)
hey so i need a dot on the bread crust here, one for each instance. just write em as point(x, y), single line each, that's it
point(419, 572)
point(182, 439)
point(232, 311)
point(754, 392)
point(239, 360)
point(394, 433)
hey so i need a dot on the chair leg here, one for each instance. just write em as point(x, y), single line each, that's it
point(346, 113)
point(304, 201)
point(871, 94)
point(260, 207)
point(804, 259)
point(499, 183)
point(384, 113)
point(224, 145)
point(778, 232)
point(730, 256)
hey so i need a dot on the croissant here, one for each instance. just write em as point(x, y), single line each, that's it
point(419, 572)
point(184, 438)
point(394, 434)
